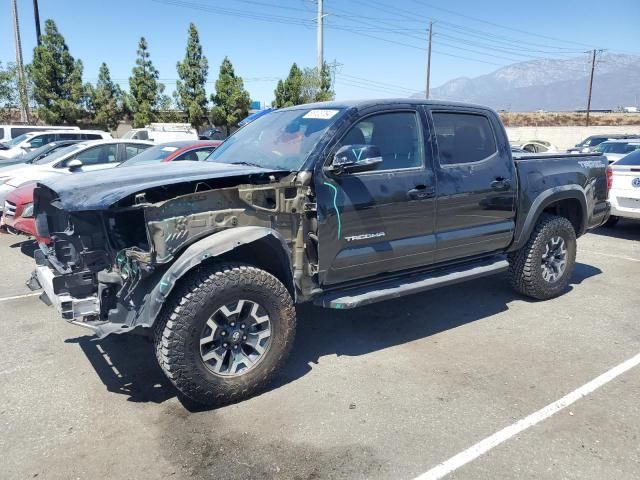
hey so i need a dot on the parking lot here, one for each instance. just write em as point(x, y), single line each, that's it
point(386, 391)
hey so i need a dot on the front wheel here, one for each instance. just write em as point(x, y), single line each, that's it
point(543, 267)
point(226, 333)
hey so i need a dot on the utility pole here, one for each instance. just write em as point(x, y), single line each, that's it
point(22, 86)
point(426, 90)
point(36, 17)
point(319, 36)
point(593, 67)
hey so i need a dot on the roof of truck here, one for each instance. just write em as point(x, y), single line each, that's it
point(383, 101)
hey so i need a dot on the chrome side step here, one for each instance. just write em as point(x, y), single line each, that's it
point(396, 288)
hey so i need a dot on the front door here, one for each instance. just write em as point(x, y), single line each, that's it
point(378, 221)
point(476, 185)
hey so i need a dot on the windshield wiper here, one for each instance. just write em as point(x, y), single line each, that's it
point(250, 164)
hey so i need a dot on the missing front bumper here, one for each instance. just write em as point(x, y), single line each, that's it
point(70, 308)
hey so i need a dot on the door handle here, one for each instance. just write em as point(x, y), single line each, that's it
point(421, 192)
point(501, 184)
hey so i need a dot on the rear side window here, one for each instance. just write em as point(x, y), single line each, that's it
point(69, 136)
point(133, 150)
point(632, 160)
point(463, 137)
point(1, 132)
point(16, 132)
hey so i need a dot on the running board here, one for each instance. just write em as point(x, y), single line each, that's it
point(389, 289)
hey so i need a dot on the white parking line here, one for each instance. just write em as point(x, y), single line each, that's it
point(445, 468)
point(621, 257)
point(15, 297)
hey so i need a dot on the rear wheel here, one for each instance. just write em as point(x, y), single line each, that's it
point(227, 332)
point(543, 267)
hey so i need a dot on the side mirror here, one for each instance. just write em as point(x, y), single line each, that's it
point(74, 165)
point(355, 158)
point(26, 146)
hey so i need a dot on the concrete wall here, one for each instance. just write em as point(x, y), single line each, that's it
point(564, 137)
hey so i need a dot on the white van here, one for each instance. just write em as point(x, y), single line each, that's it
point(9, 132)
point(163, 132)
point(29, 141)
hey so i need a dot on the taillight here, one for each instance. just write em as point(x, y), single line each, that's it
point(609, 179)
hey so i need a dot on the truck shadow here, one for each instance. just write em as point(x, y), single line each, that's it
point(127, 365)
point(624, 230)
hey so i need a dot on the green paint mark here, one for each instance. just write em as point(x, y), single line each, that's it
point(335, 205)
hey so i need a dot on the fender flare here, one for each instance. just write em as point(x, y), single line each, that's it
point(542, 201)
point(212, 246)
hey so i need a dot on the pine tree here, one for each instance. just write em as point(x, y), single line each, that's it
point(145, 89)
point(190, 94)
point(9, 95)
point(325, 92)
point(231, 101)
point(57, 79)
point(290, 93)
point(106, 100)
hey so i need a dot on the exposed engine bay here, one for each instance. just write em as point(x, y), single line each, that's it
point(115, 266)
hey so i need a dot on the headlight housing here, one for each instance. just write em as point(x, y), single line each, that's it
point(27, 210)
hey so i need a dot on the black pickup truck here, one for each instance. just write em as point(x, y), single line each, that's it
point(341, 204)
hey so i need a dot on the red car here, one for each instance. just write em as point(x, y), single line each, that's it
point(18, 212)
point(194, 150)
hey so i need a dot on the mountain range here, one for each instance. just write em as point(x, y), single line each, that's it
point(551, 84)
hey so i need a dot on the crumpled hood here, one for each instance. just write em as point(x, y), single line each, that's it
point(100, 189)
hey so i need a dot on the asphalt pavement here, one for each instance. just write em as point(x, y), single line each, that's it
point(386, 391)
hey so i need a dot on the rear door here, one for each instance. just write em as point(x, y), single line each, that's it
point(476, 184)
point(379, 221)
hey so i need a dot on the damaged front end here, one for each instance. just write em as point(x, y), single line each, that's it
point(112, 267)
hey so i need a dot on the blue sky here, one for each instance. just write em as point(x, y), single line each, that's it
point(379, 44)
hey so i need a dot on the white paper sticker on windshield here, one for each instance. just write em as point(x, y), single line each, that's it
point(320, 114)
point(169, 149)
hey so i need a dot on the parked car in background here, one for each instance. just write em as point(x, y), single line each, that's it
point(80, 157)
point(38, 153)
point(163, 132)
point(590, 143)
point(623, 178)
point(616, 149)
point(174, 152)
point(212, 134)
point(26, 142)
point(9, 132)
point(17, 215)
point(535, 146)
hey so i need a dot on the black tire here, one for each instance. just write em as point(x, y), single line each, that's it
point(525, 265)
point(611, 222)
point(180, 327)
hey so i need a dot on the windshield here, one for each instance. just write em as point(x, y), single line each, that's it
point(27, 157)
point(611, 147)
point(18, 139)
point(278, 140)
point(57, 154)
point(150, 155)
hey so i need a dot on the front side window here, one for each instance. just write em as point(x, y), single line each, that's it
point(463, 137)
point(396, 134)
point(40, 140)
point(280, 140)
point(98, 155)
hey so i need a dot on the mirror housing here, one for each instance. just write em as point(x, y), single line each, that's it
point(355, 158)
point(26, 146)
point(74, 165)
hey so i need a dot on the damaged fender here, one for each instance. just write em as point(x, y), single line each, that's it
point(209, 247)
